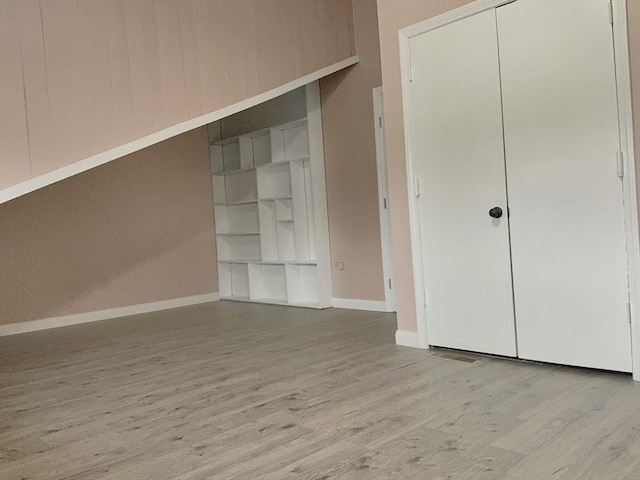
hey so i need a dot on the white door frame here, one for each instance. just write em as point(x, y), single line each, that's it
point(383, 202)
point(625, 121)
point(319, 191)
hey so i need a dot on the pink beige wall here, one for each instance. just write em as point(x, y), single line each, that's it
point(78, 78)
point(140, 229)
point(350, 163)
point(394, 15)
point(136, 230)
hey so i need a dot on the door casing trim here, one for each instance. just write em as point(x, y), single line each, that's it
point(383, 202)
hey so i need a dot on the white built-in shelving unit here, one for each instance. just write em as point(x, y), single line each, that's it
point(265, 217)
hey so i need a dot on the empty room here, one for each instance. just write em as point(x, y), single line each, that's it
point(319, 239)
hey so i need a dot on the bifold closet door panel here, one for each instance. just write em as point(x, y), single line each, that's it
point(565, 198)
point(458, 153)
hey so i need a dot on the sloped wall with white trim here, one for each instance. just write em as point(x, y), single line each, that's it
point(78, 78)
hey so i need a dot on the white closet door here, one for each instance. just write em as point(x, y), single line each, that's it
point(567, 226)
point(459, 157)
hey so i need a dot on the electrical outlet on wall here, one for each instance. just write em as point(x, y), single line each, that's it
point(339, 265)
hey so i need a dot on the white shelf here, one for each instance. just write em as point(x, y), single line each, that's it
point(302, 211)
point(266, 199)
point(261, 148)
point(243, 202)
point(239, 280)
point(267, 282)
point(284, 210)
point(271, 262)
point(302, 158)
point(238, 260)
point(234, 280)
point(244, 246)
point(238, 218)
point(241, 187)
point(236, 171)
point(274, 181)
point(219, 190)
point(263, 206)
point(225, 156)
point(302, 283)
point(235, 234)
point(286, 241)
point(299, 159)
point(296, 140)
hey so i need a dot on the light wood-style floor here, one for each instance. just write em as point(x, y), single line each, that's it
point(240, 391)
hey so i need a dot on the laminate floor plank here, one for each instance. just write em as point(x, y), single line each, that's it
point(237, 391)
point(604, 413)
point(616, 456)
point(555, 422)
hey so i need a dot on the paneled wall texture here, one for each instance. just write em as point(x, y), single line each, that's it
point(79, 77)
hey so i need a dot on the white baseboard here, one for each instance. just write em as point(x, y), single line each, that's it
point(55, 322)
point(405, 338)
point(354, 304)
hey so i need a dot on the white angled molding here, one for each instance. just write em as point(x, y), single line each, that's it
point(404, 338)
point(80, 166)
point(355, 304)
point(55, 322)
